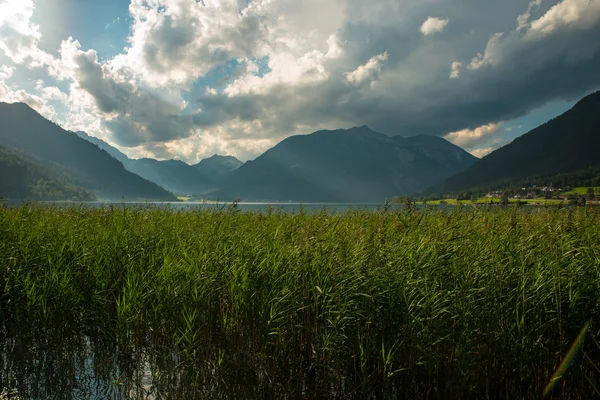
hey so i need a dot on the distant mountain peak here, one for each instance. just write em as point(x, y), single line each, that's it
point(218, 168)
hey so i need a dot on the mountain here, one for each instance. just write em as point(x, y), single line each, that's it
point(83, 164)
point(218, 168)
point(23, 178)
point(355, 165)
point(106, 147)
point(173, 175)
point(568, 143)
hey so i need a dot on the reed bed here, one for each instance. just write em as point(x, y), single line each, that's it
point(477, 303)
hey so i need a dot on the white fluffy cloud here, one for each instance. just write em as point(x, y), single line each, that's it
point(174, 42)
point(579, 14)
point(433, 25)
point(480, 153)
point(6, 72)
point(468, 138)
point(19, 36)
point(369, 71)
point(523, 19)
point(564, 22)
point(455, 69)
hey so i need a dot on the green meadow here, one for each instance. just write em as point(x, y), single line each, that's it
point(540, 201)
point(466, 303)
point(581, 190)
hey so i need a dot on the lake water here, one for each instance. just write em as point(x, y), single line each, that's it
point(244, 206)
point(290, 207)
point(60, 362)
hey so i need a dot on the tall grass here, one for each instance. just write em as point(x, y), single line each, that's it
point(407, 304)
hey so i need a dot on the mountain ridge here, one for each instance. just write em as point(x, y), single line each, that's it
point(174, 175)
point(566, 143)
point(84, 163)
point(353, 165)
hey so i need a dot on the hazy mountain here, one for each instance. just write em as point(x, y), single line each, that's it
point(356, 165)
point(83, 163)
point(173, 175)
point(570, 142)
point(23, 178)
point(218, 168)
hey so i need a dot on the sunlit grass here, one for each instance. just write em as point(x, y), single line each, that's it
point(495, 200)
point(461, 304)
point(580, 191)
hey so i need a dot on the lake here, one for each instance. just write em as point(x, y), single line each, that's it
point(290, 207)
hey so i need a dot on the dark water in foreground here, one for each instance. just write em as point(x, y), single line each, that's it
point(58, 363)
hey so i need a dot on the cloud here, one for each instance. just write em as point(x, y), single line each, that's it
point(480, 153)
point(199, 77)
point(133, 113)
point(284, 70)
point(20, 37)
point(7, 95)
point(112, 23)
point(455, 69)
point(578, 14)
point(305, 87)
point(174, 42)
point(50, 93)
point(433, 25)
point(523, 19)
point(468, 138)
point(369, 71)
point(552, 35)
point(6, 72)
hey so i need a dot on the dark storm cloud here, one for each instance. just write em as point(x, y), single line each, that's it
point(373, 66)
point(520, 71)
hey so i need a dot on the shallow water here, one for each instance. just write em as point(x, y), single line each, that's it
point(58, 363)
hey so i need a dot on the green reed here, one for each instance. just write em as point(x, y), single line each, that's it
point(412, 304)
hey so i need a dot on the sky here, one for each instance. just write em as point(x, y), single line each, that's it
point(186, 79)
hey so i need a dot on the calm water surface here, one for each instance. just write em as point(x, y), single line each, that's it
point(248, 206)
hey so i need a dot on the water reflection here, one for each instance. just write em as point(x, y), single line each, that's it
point(60, 363)
point(253, 206)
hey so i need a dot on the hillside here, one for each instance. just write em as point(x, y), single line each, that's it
point(355, 165)
point(568, 143)
point(88, 166)
point(21, 178)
